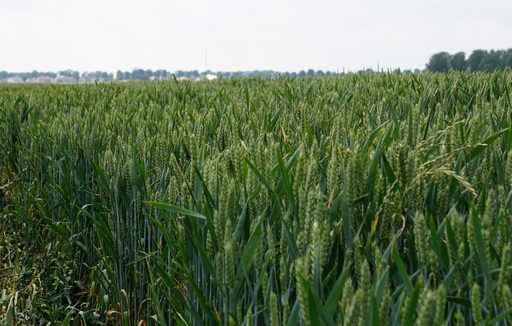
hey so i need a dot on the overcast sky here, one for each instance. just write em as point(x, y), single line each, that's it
point(282, 35)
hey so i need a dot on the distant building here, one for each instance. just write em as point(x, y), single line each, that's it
point(14, 80)
point(45, 80)
point(64, 79)
point(89, 79)
point(33, 80)
point(155, 78)
point(211, 77)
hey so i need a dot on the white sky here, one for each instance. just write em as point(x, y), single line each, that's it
point(281, 35)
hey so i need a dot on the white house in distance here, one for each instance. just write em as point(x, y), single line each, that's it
point(14, 80)
point(211, 77)
point(64, 79)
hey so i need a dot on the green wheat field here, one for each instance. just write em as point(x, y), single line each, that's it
point(363, 199)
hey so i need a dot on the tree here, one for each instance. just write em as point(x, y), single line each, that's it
point(105, 75)
point(70, 73)
point(138, 74)
point(491, 61)
point(302, 73)
point(161, 73)
point(475, 59)
point(119, 75)
point(148, 74)
point(311, 72)
point(458, 61)
point(507, 59)
point(439, 62)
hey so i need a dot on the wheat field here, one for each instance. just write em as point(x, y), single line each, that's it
point(362, 199)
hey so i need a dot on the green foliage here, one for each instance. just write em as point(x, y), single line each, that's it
point(358, 199)
point(479, 60)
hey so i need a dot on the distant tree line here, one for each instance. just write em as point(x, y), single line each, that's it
point(141, 74)
point(72, 74)
point(26, 75)
point(479, 60)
